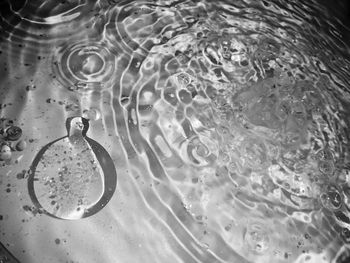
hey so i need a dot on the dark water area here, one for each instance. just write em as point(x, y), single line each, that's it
point(175, 131)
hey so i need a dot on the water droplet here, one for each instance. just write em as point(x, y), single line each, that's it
point(30, 87)
point(5, 153)
point(21, 145)
point(72, 177)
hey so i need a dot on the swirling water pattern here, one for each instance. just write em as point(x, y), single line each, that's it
point(227, 122)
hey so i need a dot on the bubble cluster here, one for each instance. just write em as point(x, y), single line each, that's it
point(10, 140)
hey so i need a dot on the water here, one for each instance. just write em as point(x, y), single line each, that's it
point(174, 131)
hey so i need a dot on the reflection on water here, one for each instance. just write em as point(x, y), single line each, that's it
point(226, 122)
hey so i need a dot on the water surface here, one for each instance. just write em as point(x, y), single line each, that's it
point(174, 131)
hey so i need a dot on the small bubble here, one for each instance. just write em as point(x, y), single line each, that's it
point(30, 87)
point(13, 133)
point(21, 175)
point(21, 145)
point(5, 153)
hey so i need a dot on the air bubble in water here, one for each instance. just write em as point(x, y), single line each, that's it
point(72, 177)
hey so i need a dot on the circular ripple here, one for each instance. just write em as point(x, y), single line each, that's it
point(84, 66)
point(228, 69)
point(34, 20)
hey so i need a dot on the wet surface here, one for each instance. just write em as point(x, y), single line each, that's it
point(227, 124)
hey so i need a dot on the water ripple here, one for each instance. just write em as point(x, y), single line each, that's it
point(226, 122)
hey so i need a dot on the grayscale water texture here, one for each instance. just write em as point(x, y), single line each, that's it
point(174, 131)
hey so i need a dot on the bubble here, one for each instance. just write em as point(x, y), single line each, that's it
point(30, 87)
point(21, 145)
point(13, 133)
point(83, 65)
point(5, 153)
point(72, 177)
point(257, 238)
